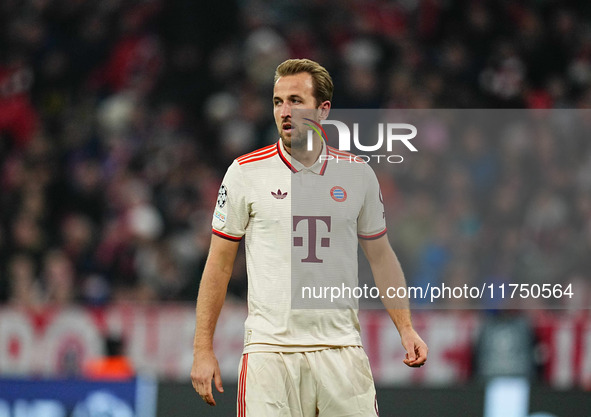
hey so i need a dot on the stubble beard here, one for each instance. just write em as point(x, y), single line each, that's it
point(294, 140)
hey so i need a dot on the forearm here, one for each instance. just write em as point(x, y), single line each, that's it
point(388, 273)
point(212, 292)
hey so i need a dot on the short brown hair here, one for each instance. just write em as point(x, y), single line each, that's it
point(321, 80)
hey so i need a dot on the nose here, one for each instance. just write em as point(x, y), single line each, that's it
point(285, 110)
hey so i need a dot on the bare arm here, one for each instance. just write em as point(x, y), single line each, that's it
point(212, 292)
point(388, 273)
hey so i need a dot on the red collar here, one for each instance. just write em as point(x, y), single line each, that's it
point(319, 166)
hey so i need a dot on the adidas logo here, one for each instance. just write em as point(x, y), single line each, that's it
point(279, 195)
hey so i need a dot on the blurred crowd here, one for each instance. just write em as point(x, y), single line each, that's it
point(118, 119)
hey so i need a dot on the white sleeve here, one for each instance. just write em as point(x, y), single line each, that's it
point(231, 213)
point(371, 223)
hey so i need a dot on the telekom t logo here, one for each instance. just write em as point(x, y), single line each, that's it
point(312, 232)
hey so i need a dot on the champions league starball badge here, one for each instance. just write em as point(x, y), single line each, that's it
point(222, 196)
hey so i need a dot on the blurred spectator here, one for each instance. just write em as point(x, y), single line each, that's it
point(28, 236)
point(58, 279)
point(18, 117)
point(77, 242)
point(24, 287)
point(159, 274)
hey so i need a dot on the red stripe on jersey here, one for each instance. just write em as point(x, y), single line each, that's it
point(225, 236)
point(324, 166)
point(257, 152)
point(344, 156)
point(372, 237)
point(339, 152)
point(375, 405)
point(351, 158)
point(284, 159)
point(242, 387)
point(246, 161)
point(323, 169)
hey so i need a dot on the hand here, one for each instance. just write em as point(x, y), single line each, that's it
point(205, 368)
point(416, 348)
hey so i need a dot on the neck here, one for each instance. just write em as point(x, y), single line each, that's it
point(304, 156)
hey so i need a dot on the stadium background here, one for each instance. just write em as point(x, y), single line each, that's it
point(118, 119)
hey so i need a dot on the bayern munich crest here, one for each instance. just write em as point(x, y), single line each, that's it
point(338, 194)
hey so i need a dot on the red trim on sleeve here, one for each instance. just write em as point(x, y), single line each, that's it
point(372, 237)
point(225, 236)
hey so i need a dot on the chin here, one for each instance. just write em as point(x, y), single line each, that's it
point(285, 139)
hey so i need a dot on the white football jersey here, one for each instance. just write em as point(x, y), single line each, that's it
point(301, 227)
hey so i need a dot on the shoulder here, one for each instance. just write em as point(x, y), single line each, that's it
point(258, 155)
point(243, 167)
point(343, 155)
point(359, 163)
point(350, 162)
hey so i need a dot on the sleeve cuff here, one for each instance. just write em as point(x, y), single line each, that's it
point(225, 236)
point(374, 236)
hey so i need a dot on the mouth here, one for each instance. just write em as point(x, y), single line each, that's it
point(287, 127)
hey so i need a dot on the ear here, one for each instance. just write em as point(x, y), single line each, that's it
point(324, 109)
